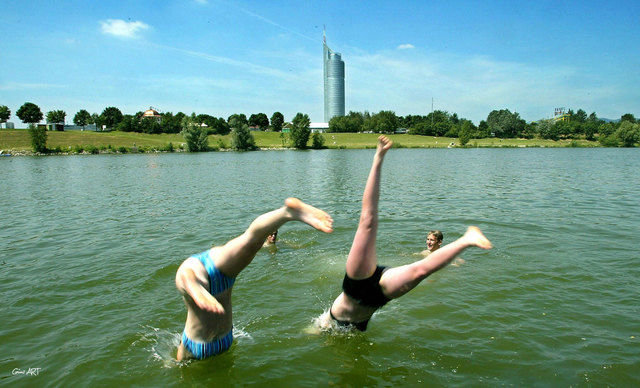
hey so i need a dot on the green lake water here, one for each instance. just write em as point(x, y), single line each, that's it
point(89, 247)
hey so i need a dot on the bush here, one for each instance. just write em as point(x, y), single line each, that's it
point(241, 137)
point(317, 141)
point(628, 134)
point(38, 138)
point(609, 140)
point(194, 135)
point(167, 148)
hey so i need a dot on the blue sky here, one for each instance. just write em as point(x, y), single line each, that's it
point(222, 57)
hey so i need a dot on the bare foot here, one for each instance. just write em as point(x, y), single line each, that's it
point(310, 215)
point(475, 238)
point(384, 144)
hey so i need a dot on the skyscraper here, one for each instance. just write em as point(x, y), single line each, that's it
point(333, 82)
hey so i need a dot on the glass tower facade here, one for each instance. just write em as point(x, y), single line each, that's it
point(333, 83)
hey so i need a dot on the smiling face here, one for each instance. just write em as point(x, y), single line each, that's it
point(434, 239)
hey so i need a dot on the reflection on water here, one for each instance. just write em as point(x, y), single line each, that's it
point(89, 246)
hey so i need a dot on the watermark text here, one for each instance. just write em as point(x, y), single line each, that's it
point(26, 372)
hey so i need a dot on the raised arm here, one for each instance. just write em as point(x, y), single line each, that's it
point(189, 286)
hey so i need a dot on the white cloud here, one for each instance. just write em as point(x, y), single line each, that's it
point(405, 46)
point(121, 28)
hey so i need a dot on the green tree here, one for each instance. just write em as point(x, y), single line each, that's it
point(29, 113)
point(483, 130)
point(437, 123)
point(205, 119)
point(300, 131)
point(82, 118)
point(259, 120)
point(562, 129)
point(580, 116)
point(5, 113)
point(221, 127)
point(110, 117)
point(610, 140)
point(277, 119)
point(129, 123)
point(505, 124)
point(353, 122)
point(466, 132)
point(241, 117)
point(148, 125)
point(382, 122)
point(606, 129)
point(317, 141)
point(590, 129)
point(529, 131)
point(548, 130)
point(628, 117)
point(171, 123)
point(56, 116)
point(241, 137)
point(194, 135)
point(628, 133)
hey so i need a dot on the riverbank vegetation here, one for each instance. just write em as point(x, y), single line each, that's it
point(77, 142)
point(151, 131)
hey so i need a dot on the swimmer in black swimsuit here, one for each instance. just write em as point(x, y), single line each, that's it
point(368, 286)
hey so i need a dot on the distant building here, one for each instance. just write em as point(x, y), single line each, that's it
point(319, 127)
point(560, 115)
point(54, 126)
point(152, 114)
point(333, 82)
point(87, 127)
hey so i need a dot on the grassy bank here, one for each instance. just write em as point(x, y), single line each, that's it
point(72, 141)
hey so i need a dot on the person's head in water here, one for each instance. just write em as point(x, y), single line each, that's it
point(272, 238)
point(434, 240)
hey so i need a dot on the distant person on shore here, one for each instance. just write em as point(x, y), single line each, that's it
point(434, 240)
point(368, 286)
point(205, 280)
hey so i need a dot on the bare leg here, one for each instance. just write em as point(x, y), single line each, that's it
point(398, 281)
point(235, 255)
point(362, 260)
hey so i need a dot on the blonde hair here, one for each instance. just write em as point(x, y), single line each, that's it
point(437, 234)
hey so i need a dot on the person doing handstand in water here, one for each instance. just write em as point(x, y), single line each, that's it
point(368, 286)
point(205, 280)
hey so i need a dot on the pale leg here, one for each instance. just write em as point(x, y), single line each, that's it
point(362, 260)
point(235, 255)
point(398, 281)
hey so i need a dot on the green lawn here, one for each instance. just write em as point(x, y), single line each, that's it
point(19, 140)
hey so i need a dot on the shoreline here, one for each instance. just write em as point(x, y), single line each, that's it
point(18, 142)
point(12, 153)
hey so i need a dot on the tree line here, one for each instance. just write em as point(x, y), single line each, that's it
point(499, 123)
point(194, 128)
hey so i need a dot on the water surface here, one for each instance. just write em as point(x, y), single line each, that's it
point(89, 247)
